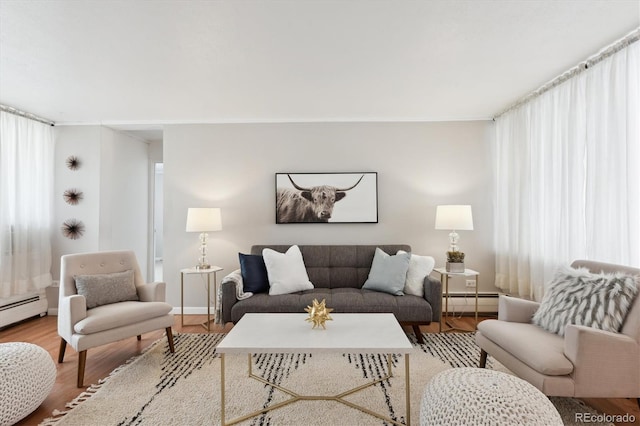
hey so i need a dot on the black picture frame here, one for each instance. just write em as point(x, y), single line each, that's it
point(338, 197)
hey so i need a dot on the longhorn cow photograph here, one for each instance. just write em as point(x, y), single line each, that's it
point(327, 197)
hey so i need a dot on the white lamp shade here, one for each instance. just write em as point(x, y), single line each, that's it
point(204, 220)
point(454, 217)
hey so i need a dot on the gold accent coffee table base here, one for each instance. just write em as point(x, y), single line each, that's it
point(295, 397)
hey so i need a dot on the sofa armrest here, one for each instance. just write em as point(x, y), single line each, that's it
point(152, 292)
point(433, 295)
point(602, 360)
point(513, 309)
point(71, 310)
point(228, 289)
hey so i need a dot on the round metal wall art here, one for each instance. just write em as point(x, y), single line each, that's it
point(72, 229)
point(73, 163)
point(72, 196)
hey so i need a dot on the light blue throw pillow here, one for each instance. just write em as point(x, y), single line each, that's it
point(388, 273)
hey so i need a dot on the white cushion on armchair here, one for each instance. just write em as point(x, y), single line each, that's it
point(116, 315)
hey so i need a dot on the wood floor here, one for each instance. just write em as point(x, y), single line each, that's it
point(101, 361)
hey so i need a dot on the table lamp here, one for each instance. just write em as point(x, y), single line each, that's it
point(454, 217)
point(203, 220)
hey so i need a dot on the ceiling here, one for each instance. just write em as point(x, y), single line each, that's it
point(141, 64)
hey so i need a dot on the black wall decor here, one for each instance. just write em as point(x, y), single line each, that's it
point(72, 196)
point(73, 163)
point(72, 229)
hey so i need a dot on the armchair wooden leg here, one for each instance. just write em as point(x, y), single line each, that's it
point(82, 361)
point(63, 347)
point(139, 337)
point(170, 339)
point(483, 358)
point(418, 333)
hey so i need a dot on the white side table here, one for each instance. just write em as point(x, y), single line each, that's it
point(444, 277)
point(208, 272)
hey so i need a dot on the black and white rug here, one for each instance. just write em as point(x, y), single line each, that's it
point(456, 349)
point(159, 388)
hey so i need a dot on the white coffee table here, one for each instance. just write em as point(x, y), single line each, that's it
point(290, 333)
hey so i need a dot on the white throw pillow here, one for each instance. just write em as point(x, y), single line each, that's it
point(419, 268)
point(286, 271)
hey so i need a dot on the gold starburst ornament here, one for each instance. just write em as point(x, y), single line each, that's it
point(318, 313)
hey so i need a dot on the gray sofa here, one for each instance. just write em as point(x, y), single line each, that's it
point(338, 273)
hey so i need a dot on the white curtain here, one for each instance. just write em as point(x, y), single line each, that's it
point(567, 176)
point(26, 196)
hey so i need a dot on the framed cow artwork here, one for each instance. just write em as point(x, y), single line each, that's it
point(327, 197)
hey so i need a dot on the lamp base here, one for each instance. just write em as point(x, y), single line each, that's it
point(203, 266)
point(454, 237)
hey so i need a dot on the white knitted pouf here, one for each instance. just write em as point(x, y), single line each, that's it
point(477, 396)
point(27, 375)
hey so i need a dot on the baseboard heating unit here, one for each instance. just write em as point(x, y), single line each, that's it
point(15, 309)
point(465, 302)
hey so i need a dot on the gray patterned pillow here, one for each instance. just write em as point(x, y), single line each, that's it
point(103, 289)
point(577, 296)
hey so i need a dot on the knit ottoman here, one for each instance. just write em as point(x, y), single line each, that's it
point(27, 375)
point(479, 396)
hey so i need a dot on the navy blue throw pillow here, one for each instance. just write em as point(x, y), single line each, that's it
point(254, 273)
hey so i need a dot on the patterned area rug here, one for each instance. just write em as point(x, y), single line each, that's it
point(159, 388)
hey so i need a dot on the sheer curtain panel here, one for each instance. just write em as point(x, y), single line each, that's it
point(567, 180)
point(26, 197)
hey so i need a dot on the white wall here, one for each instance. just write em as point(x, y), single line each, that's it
point(232, 166)
point(158, 205)
point(124, 194)
point(114, 180)
point(156, 199)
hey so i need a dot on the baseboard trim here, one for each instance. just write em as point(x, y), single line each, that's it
point(194, 310)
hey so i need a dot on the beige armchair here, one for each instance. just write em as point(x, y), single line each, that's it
point(103, 277)
point(585, 363)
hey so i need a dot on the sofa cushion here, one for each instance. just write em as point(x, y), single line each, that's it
point(539, 349)
point(419, 268)
point(286, 271)
point(103, 289)
point(388, 272)
point(342, 300)
point(120, 314)
point(254, 273)
point(577, 296)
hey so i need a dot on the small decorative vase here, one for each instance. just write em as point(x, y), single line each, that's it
point(455, 266)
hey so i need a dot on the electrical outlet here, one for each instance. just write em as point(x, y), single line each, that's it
point(471, 283)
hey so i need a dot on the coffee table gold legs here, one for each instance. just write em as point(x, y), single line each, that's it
point(222, 421)
point(407, 386)
point(297, 397)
